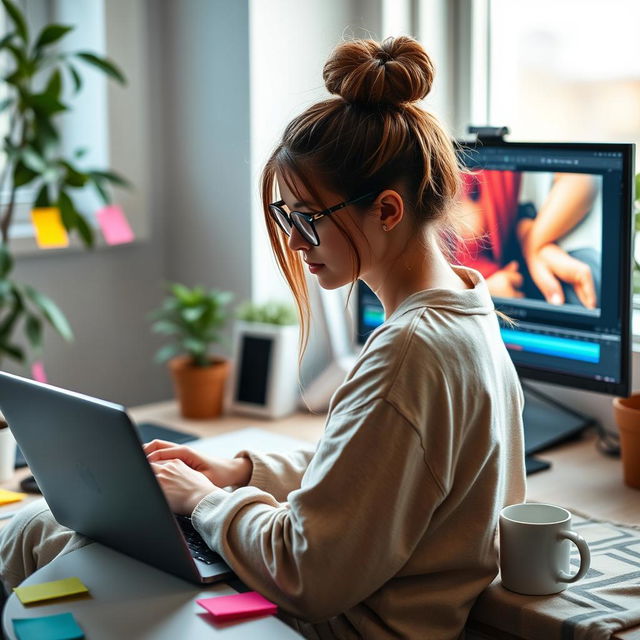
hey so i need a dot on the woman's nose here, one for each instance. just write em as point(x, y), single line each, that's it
point(297, 242)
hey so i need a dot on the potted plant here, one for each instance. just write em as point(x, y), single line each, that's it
point(193, 318)
point(31, 86)
point(265, 377)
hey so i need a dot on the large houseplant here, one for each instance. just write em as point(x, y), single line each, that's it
point(193, 319)
point(32, 90)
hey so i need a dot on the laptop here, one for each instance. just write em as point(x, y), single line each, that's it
point(89, 463)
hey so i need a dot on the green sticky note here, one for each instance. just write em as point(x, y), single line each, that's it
point(50, 590)
point(59, 627)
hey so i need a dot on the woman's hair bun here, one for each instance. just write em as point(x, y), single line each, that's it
point(394, 72)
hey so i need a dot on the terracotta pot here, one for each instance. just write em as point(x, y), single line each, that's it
point(627, 415)
point(200, 390)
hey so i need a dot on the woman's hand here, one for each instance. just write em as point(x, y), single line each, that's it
point(222, 472)
point(182, 486)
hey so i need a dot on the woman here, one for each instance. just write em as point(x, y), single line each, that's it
point(387, 530)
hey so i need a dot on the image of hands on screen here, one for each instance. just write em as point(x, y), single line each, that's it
point(534, 235)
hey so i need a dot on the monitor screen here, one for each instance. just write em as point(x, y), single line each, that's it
point(549, 226)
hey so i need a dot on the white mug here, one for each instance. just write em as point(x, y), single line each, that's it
point(535, 545)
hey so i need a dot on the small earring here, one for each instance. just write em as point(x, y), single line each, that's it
point(384, 227)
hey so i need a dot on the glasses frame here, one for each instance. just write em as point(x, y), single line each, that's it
point(293, 218)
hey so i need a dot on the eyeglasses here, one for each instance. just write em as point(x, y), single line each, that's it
point(305, 222)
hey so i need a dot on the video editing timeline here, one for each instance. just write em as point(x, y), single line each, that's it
point(574, 352)
point(551, 345)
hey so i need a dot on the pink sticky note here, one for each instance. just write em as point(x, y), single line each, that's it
point(239, 605)
point(37, 372)
point(115, 226)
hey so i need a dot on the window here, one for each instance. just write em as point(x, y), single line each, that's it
point(565, 70)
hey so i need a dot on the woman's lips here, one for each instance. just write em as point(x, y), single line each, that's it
point(314, 267)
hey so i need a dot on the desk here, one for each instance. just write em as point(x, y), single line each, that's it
point(119, 604)
point(581, 478)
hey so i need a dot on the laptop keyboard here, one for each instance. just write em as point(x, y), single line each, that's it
point(197, 546)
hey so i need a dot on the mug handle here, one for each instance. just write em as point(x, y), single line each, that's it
point(585, 557)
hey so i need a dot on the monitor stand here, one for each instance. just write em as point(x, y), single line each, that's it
point(546, 423)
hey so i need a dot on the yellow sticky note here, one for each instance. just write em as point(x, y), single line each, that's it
point(50, 231)
point(50, 590)
point(6, 496)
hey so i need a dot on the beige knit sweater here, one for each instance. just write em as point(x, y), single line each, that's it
point(387, 530)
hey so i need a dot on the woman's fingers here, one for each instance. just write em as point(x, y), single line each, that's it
point(172, 453)
point(154, 445)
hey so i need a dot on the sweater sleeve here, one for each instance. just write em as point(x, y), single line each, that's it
point(363, 506)
point(277, 473)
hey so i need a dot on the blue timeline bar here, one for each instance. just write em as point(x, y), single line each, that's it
point(552, 346)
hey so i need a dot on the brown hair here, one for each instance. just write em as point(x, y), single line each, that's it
point(369, 138)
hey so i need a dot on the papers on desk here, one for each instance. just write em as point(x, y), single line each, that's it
point(59, 627)
point(238, 606)
point(7, 497)
point(50, 590)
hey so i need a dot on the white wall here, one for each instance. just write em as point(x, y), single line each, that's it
point(207, 133)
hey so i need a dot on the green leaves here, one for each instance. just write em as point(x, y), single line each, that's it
point(50, 311)
point(23, 303)
point(278, 313)
point(18, 20)
point(42, 199)
point(193, 317)
point(54, 86)
point(75, 76)
point(6, 262)
point(73, 220)
point(113, 177)
point(34, 331)
point(22, 174)
point(99, 179)
point(105, 65)
point(50, 34)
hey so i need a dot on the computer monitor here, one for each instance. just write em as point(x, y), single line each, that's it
point(549, 225)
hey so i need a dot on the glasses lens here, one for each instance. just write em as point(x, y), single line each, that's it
point(305, 227)
point(281, 218)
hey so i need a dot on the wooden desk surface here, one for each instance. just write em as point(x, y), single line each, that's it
point(587, 481)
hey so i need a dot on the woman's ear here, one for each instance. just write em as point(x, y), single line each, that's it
point(390, 206)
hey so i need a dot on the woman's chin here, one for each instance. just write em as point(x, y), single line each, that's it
point(329, 282)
